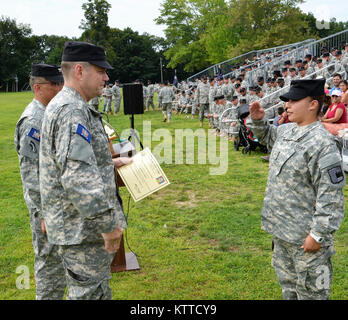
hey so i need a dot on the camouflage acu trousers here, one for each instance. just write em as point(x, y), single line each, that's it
point(88, 271)
point(203, 110)
point(302, 275)
point(108, 102)
point(117, 103)
point(48, 266)
point(150, 103)
point(167, 109)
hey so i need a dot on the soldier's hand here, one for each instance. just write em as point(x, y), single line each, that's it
point(121, 161)
point(256, 111)
point(112, 240)
point(310, 245)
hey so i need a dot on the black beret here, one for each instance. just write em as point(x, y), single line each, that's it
point(258, 89)
point(300, 89)
point(84, 51)
point(47, 71)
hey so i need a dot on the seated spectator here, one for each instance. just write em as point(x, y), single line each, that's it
point(283, 118)
point(344, 88)
point(337, 111)
point(280, 111)
point(326, 103)
point(336, 80)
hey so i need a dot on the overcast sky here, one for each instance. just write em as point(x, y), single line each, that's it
point(63, 17)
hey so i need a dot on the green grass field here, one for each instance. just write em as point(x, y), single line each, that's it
point(199, 238)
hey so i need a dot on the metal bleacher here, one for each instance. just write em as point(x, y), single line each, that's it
point(314, 48)
point(296, 51)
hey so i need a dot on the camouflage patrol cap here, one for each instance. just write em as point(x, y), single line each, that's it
point(84, 51)
point(50, 72)
point(301, 89)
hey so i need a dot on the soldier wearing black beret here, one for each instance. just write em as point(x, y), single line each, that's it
point(45, 81)
point(304, 202)
point(81, 204)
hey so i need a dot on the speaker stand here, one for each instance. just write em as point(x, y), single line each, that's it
point(133, 135)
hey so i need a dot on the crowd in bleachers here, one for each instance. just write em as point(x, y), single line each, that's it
point(263, 79)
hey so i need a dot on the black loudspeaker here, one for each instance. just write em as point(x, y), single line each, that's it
point(133, 100)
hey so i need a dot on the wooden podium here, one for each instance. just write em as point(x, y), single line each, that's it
point(122, 261)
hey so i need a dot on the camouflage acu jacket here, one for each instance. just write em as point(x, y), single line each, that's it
point(77, 176)
point(304, 188)
point(27, 144)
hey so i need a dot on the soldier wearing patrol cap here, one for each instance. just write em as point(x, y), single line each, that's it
point(304, 203)
point(81, 205)
point(46, 81)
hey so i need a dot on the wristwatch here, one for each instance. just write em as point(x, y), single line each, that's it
point(316, 238)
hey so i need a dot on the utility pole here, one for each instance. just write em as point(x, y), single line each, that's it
point(161, 69)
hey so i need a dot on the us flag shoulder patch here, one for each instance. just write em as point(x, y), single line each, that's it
point(84, 133)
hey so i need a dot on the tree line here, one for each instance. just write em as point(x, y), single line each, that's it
point(205, 32)
point(198, 33)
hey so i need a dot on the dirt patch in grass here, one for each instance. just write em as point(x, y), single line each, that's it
point(192, 202)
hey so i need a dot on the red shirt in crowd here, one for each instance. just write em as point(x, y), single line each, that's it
point(332, 112)
point(286, 119)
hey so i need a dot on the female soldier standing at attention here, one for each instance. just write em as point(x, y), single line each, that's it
point(304, 203)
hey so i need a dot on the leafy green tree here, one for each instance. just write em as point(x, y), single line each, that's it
point(95, 25)
point(205, 32)
point(17, 50)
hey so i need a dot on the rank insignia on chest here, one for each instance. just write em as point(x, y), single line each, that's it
point(84, 133)
point(35, 134)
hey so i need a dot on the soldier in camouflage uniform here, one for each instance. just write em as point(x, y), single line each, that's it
point(107, 93)
point(117, 95)
point(150, 94)
point(203, 99)
point(145, 95)
point(166, 98)
point(95, 103)
point(46, 81)
point(81, 205)
point(304, 203)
